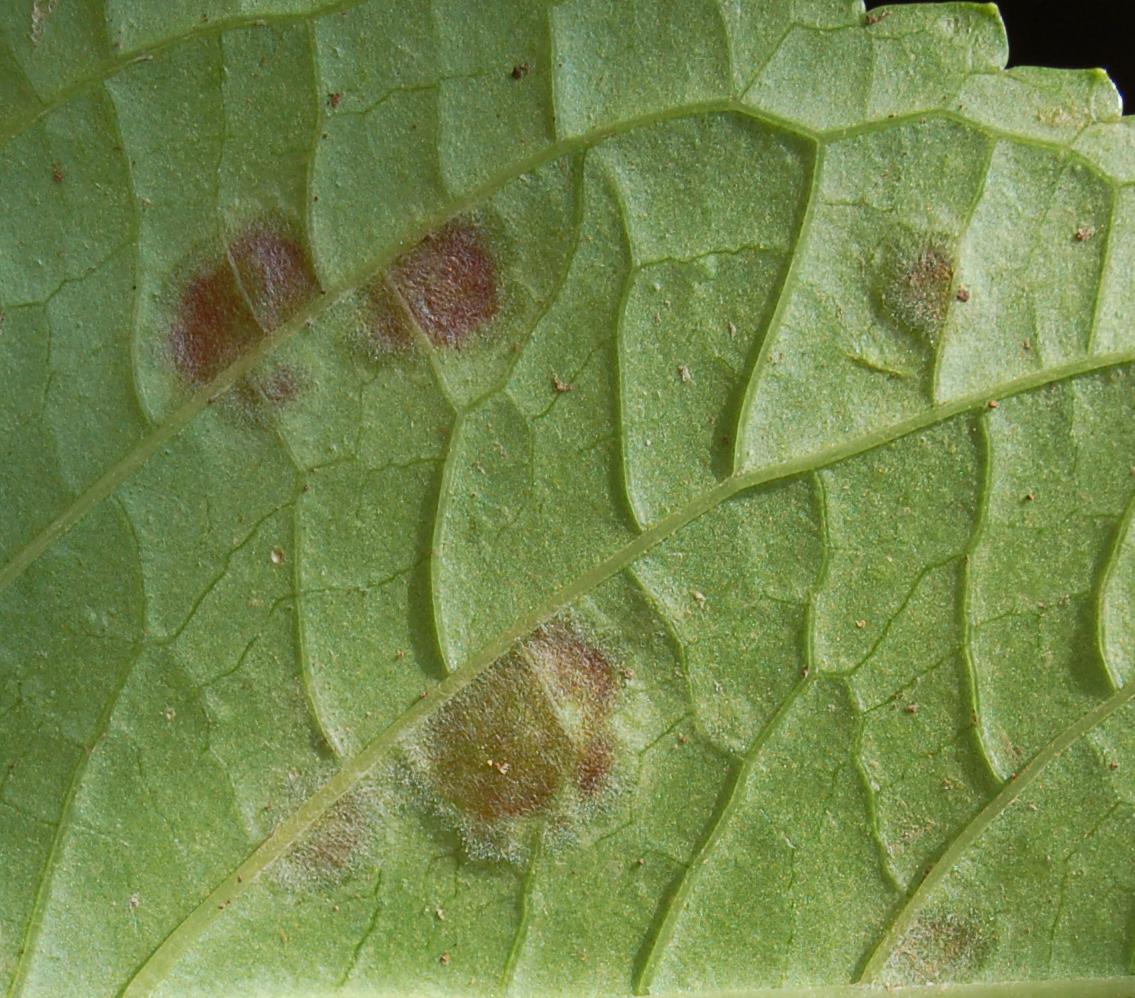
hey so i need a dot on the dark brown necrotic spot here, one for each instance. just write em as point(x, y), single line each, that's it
point(449, 283)
point(528, 733)
point(227, 308)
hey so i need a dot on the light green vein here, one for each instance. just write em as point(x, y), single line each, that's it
point(984, 818)
point(144, 449)
point(27, 948)
point(799, 251)
point(1122, 532)
point(437, 546)
point(985, 487)
point(138, 455)
point(354, 768)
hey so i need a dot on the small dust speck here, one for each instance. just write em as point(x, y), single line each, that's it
point(439, 914)
point(134, 902)
point(732, 329)
point(444, 959)
point(911, 708)
point(561, 386)
point(57, 173)
point(699, 598)
point(277, 556)
point(684, 374)
point(1113, 765)
point(169, 713)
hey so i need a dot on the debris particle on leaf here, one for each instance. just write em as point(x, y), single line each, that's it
point(963, 294)
point(1085, 233)
point(561, 386)
point(521, 70)
point(684, 374)
point(277, 556)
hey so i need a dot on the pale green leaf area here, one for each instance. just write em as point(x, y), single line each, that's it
point(772, 519)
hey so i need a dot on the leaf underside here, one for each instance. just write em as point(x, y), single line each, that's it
point(561, 498)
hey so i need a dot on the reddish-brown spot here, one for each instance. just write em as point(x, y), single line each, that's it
point(57, 173)
point(332, 847)
point(579, 671)
point(334, 100)
point(594, 769)
point(275, 273)
point(227, 308)
point(390, 327)
point(448, 283)
point(213, 327)
point(917, 284)
point(527, 731)
point(502, 720)
point(276, 388)
point(281, 386)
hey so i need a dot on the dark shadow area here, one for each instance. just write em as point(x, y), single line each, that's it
point(1070, 34)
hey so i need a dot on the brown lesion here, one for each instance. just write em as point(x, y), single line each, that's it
point(447, 287)
point(335, 845)
point(593, 772)
point(498, 750)
point(275, 273)
point(531, 733)
point(228, 306)
point(943, 945)
point(918, 285)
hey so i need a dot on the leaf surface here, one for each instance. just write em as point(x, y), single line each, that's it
point(561, 498)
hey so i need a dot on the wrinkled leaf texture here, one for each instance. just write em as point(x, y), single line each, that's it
point(799, 388)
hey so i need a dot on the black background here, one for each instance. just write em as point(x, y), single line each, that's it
point(1074, 34)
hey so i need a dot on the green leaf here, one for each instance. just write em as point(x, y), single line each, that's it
point(561, 498)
